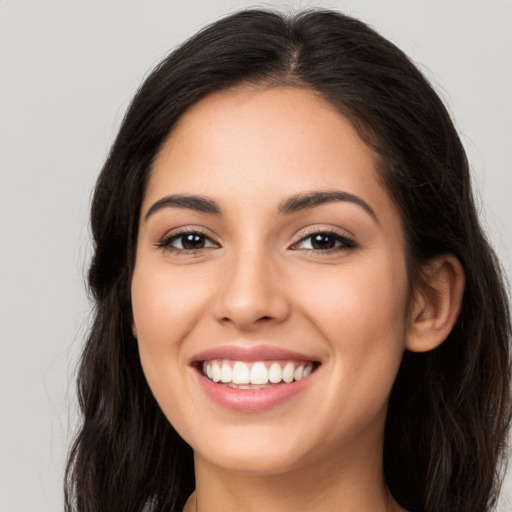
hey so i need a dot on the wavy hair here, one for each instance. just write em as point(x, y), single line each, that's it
point(449, 409)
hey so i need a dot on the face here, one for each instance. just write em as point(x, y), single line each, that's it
point(270, 289)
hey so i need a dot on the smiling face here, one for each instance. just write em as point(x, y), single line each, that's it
point(270, 257)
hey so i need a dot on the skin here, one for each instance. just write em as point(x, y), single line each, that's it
point(259, 280)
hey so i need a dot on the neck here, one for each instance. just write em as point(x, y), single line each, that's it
point(329, 485)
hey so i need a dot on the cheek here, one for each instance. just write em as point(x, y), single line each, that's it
point(365, 295)
point(166, 306)
point(360, 311)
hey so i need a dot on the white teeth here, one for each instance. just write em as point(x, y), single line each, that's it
point(225, 373)
point(297, 374)
point(259, 374)
point(275, 374)
point(243, 375)
point(245, 386)
point(288, 372)
point(240, 373)
point(215, 371)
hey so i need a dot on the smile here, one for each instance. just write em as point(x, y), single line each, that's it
point(255, 374)
point(250, 379)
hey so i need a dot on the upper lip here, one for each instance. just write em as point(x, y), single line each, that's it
point(251, 353)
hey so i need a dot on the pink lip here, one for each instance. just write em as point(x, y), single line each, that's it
point(251, 400)
point(253, 353)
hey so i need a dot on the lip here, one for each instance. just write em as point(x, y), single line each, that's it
point(248, 354)
point(251, 400)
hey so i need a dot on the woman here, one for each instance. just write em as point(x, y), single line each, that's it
point(295, 304)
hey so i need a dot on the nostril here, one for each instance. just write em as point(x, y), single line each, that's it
point(266, 317)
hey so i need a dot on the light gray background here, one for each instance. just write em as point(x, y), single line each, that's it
point(68, 70)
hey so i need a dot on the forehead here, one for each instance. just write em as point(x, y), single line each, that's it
point(258, 145)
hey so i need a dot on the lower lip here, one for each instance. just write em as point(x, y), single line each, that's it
point(252, 400)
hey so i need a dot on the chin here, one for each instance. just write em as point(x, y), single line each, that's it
point(256, 462)
point(264, 449)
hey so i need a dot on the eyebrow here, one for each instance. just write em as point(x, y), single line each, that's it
point(196, 203)
point(293, 204)
point(312, 199)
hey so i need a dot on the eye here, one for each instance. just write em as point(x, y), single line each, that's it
point(324, 242)
point(187, 241)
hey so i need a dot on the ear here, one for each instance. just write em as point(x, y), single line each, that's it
point(134, 329)
point(436, 304)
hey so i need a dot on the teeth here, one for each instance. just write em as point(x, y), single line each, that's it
point(275, 374)
point(215, 371)
point(288, 372)
point(246, 386)
point(253, 375)
point(240, 373)
point(259, 373)
point(226, 373)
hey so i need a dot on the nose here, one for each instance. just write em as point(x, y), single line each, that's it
point(251, 293)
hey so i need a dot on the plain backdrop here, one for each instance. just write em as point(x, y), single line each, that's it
point(68, 70)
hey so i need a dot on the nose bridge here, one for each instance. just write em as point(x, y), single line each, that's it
point(250, 292)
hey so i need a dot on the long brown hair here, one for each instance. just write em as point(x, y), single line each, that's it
point(449, 409)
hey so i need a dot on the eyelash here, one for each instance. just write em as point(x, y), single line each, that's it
point(166, 242)
point(345, 243)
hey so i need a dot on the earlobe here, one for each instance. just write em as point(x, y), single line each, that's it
point(437, 303)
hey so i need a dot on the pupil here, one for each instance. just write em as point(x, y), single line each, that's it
point(193, 241)
point(323, 242)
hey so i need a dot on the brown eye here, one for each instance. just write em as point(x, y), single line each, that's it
point(325, 241)
point(190, 241)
